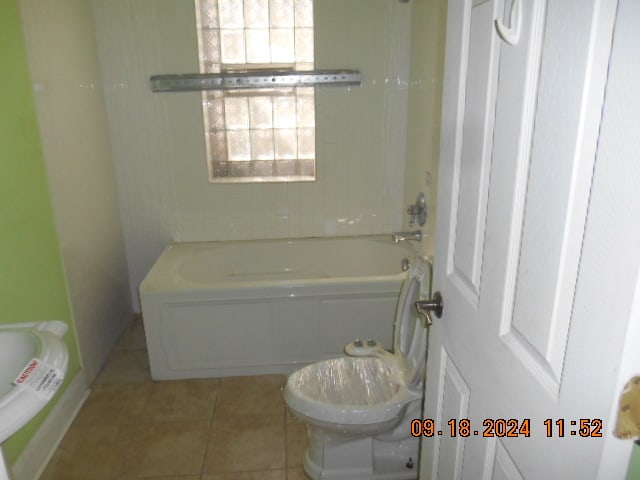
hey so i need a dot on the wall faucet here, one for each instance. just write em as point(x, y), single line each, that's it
point(418, 211)
point(400, 236)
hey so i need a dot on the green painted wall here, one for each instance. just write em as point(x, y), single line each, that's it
point(634, 466)
point(32, 283)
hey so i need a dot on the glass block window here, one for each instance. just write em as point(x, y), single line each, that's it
point(257, 135)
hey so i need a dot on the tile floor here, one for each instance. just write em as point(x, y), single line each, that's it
point(132, 428)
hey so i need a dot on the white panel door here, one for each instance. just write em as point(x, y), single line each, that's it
point(514, 363)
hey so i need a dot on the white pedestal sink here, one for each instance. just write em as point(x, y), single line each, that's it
point(33, 363)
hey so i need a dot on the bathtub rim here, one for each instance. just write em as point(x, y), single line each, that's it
point(179, 285)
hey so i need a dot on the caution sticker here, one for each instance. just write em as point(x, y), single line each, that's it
point(41, 378)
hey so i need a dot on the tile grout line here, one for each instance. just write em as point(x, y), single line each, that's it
point(286, 436)
point(134, 429)
point(210, 432)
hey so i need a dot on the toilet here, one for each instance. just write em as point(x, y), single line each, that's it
point(358, 408)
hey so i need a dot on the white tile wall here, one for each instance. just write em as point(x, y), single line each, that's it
point(158, 138)
point(62, 56)
point(425, 93)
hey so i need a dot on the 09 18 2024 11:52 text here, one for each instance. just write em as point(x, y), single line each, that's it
point(500, 427)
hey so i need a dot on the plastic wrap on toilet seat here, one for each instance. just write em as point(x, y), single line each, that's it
point(349, 381)
point(369, 391)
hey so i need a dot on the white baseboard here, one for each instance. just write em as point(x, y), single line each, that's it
point(34, 458)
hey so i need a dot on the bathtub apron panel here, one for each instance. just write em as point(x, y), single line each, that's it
point(215, 323)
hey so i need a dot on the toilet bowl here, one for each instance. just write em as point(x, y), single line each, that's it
point(358, 408)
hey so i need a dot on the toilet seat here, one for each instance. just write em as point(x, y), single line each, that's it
point(409, 334)
point(349, 391)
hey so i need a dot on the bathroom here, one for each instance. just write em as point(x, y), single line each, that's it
point(113, 218)
point(94, 208)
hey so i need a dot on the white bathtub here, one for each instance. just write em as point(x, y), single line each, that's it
point(255, 307)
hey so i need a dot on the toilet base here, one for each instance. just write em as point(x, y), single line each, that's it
point(332, 456)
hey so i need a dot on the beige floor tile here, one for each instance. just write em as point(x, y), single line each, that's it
point(234, 403)
point(291, 418)
point(247, 395)
point(170, 477)
point(126, 366)
point(90, 452)
point(175, 448)
point(181, 400)
point(297, 443)
point(131, 428)
point(228, 421)
point(233, 424)
point(246, 444)
point(296, 474)
point(261, 475)
point(114, 404)
point(255, 381)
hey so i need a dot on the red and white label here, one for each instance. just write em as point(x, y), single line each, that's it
point(40, 378)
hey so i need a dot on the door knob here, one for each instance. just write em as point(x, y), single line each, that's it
point(425, 307)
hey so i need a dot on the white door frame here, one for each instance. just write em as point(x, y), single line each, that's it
point(609, 288)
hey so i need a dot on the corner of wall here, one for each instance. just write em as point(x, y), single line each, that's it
point(32, 283)
point(428, 30)
point(80, 170)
